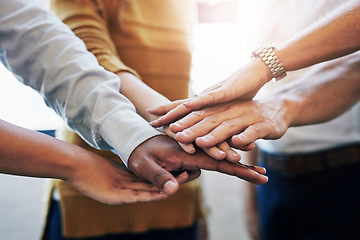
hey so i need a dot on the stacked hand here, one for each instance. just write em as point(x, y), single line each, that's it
point(204, 121)
point(156, 158)
point(239, 122)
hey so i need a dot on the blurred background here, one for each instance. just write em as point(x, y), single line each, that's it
point(219, 48)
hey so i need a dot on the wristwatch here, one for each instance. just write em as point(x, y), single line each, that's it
point(268, 56)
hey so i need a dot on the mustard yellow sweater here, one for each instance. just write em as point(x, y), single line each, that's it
point(149, 38)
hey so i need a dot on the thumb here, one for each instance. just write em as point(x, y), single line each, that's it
point(158, 176)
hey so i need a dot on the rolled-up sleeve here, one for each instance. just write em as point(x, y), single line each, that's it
point(53, 61)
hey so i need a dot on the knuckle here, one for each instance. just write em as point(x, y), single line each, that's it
point(198, 114)
point(229, 124)
point(159, 176)
point(213, 120)
point(257, 128)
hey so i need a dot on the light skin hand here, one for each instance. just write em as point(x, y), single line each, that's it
point(134, 89)
point(242, 121)
point(333, 36)
point(221, 151)
point(243, 84)
point(318, 43)
point(305, 101)
point(156, 158)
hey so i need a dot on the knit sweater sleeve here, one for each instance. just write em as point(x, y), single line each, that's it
point(90, 22)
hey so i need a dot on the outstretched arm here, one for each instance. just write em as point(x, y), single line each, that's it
point(334, 36)
point(28, 153)
point(53, 61)
point(304, 101)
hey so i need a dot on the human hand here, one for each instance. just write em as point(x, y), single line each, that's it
point(110, 182)
point(156, 158)
point(221, 151)
point(243, 84)
point(29, 153)
point(242, 121)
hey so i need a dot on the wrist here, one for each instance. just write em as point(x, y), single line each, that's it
point(262, 70)
point(267, 54)
point(71, 163)
point(291, 106)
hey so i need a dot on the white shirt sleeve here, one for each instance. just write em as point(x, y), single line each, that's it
point(52, 60)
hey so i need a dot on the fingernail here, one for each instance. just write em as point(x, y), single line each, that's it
point(190, 149)
point(235, 155)
point(176, 124)
point(264, 178)
point(222, 155)
point(169, 187)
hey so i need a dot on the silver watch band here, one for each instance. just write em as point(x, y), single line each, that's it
point(268, 56)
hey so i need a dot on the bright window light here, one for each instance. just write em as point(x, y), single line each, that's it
point(22, 106)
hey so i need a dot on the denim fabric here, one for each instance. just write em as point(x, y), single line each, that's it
point(315, 206)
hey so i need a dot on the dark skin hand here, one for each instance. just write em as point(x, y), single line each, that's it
point(25, 152)
point(154, 159)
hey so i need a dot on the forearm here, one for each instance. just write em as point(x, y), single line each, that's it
point(324, 93)
point(54, 62)
point(334, 36)
point(91, 26)
point(29, 153)
point(141, 95)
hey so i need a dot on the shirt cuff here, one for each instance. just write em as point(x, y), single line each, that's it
point(128, 135)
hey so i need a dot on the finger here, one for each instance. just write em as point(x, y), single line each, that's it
point(225, 130)
point(171, 116)
point(140, 184)
point(163, 109)
point(133, 196)
point(184, 176)
point(257, 169)
point(214, 96)
point(231, 154)
point(151, 171)
point(187, 147)
point(201, 129)
point(245, 148)
point(181, 176)
point(215, 152)
point(194, 175)
point(189, 120)
point(242, 172)
point(251, 134)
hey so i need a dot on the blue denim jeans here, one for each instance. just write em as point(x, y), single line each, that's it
point(322, 205)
